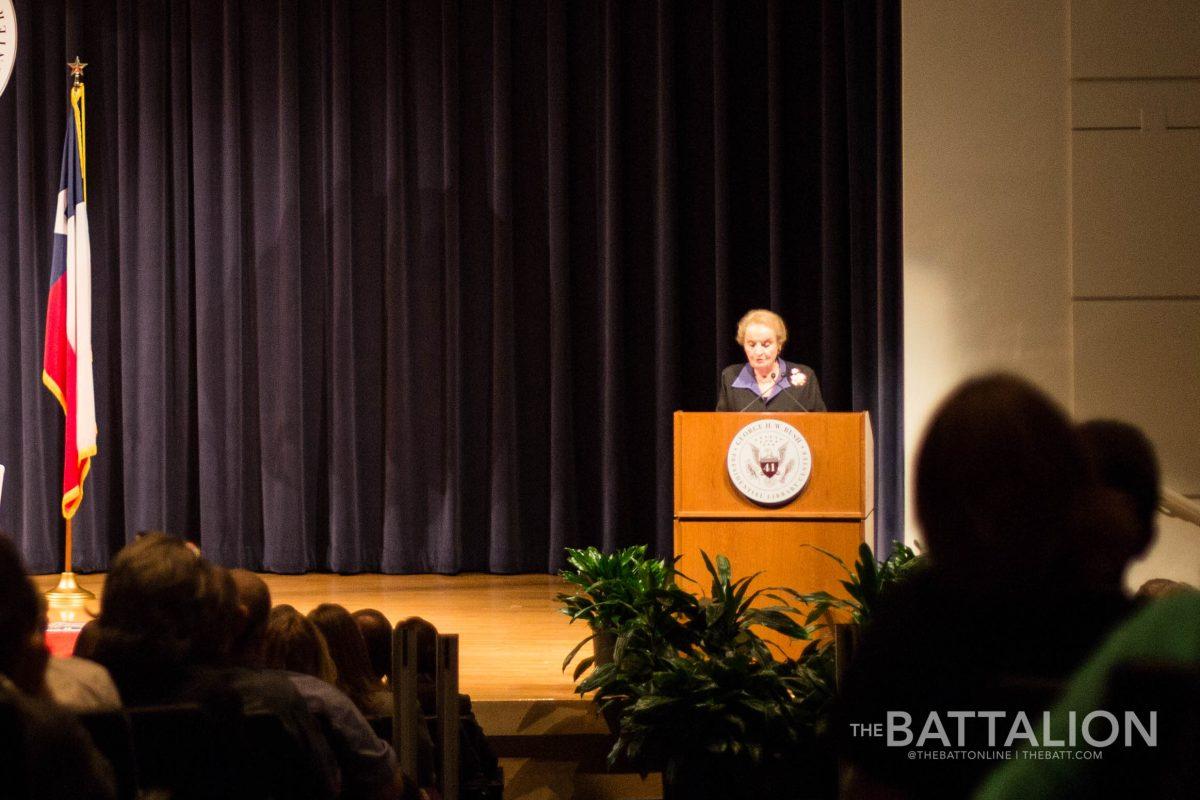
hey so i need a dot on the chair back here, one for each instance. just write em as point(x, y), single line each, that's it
point(113, 736)
point(448, 715)
point(275, 765)
point(185, 749)
point(406, 709)
point(12, 748)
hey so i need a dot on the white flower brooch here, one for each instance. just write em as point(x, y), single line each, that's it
point(797, 377)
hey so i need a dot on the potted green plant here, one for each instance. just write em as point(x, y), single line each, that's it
point(609, 590)
point(865, 584)
point(703, 696)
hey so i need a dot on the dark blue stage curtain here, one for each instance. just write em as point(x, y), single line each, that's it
point(415, 286)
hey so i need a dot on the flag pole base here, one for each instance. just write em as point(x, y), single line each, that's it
point(68, 592)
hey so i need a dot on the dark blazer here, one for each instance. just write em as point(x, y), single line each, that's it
point(792, 398)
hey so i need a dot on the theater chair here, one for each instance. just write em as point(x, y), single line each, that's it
point(447, 730)
point(406, 710)
point(411, 640)
point(274, 765)
point(190, 751)
point(13, 781)
point(185, 749)
point(425, 686)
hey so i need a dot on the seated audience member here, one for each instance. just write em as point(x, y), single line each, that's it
point(45, 752)
point(343, 635)
point(349, 653)
point(254, 607)
point(165, 633)
point(376, 631)
point(85, 642)
point(294, 644)
point(81, 685)
point(265, 691)
point(426, 635)
point(369, 768)
point(165, 621)
point(1158, 588)
point(1123, 461)
point(1164, 633)
point(1009, 605)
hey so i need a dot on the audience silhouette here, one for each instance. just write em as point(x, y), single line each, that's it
point(44, 752)
point(377, 634)
point(368, 764)
point(1023, 583)
point(349, 652)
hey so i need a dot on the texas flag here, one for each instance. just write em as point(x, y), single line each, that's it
point(67, 367)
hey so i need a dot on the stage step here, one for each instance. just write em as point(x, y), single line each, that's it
point(558, 749)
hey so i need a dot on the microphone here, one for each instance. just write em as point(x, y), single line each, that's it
point(758, 397)
point(752, 402)
point(788, 386)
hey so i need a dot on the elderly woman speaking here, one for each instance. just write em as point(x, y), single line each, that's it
point(766, 382)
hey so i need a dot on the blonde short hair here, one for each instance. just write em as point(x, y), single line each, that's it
point(762, 316)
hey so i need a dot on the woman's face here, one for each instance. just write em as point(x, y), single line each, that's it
point(761, 345)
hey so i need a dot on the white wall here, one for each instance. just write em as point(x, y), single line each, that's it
point(986, 143)
point(1135, 86)
point(1052, 217)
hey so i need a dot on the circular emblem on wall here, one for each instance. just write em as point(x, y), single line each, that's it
point(8, 41)
point(769, 462)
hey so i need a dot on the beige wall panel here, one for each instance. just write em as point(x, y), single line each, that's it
point(1135, 38)
point(1136, 213)
point(986, 138)
point(1140, 361)
point(1153, 105)
point(1175, 555)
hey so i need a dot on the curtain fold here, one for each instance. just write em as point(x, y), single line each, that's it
point(416, 286)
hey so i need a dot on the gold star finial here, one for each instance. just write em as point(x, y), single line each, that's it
point(76, 68)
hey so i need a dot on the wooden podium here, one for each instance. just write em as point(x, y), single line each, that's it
point(834, 511)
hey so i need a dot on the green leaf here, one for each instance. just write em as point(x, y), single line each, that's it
point(582, 667)
point(823, 551)
point(743, 586)
point(867, 569)
point(712, 571)
point(724, 569)
point(816, 614)
point(575, 650)
point(619, 648)
point(781, 623)
point(855, 590)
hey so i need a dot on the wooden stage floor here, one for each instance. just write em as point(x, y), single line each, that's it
point(511, 639)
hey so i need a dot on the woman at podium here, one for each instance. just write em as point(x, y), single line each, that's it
point(766, 382)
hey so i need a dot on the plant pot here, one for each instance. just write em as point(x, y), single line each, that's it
point(712, 777)
point(845, 644)
point(709, 776)
point(603, 644)
point(612, 715)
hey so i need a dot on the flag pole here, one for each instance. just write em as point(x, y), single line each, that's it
point(68, 593)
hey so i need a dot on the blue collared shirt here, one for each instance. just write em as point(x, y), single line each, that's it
point(367, 762)
point(746, 380)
